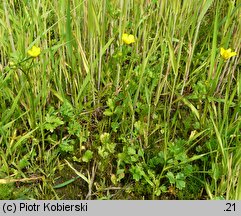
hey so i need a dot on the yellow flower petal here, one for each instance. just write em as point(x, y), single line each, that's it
point(128, 39)
point(226, 54)
point(233, 54)
point(222, 51)
point(131, 38)
point(34, 51)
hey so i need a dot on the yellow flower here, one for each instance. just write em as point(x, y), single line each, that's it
point(34, 51)
point(226, 54)
point(128, 39)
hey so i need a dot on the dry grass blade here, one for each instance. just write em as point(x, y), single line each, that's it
point(78, 173)
point(7, 181)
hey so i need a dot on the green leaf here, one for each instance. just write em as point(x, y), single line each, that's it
point(23, 163)
point(136, 172)
point(163, 188)
point(134, 158)
point(111, 147)
point(131, 151)
point(114, 126)
point(105, 138)
point(113, 179)
point(136, 176)
point(192, 107)
point(108, 112)
point(110, 104)
point(204, 9)
point(171, 177)
point(118, 110)
point(180, 176)
point(188, 169)
point(141, 152)
point(52, 122)
point(157, 192)
point(137, 125)
point(157, 160)
point(74, 128)
point(120, 174)
point(182, 156)
point(219, 198)
point(66, 146)
point(102, 152)
point(76, 159)
point(65, 183)
point(87, 156)
point(180, 184)
point(180, 181)
point(66, 110)
point(216, 171)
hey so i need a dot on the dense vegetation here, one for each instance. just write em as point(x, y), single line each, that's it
point(120, 99)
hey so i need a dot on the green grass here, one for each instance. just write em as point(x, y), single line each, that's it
point(94, 118)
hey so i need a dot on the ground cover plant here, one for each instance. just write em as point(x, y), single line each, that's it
point(120, 99)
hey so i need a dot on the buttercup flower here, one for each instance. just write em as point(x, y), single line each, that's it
point(226, 54)
point(34, 51)
point(128, 39)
